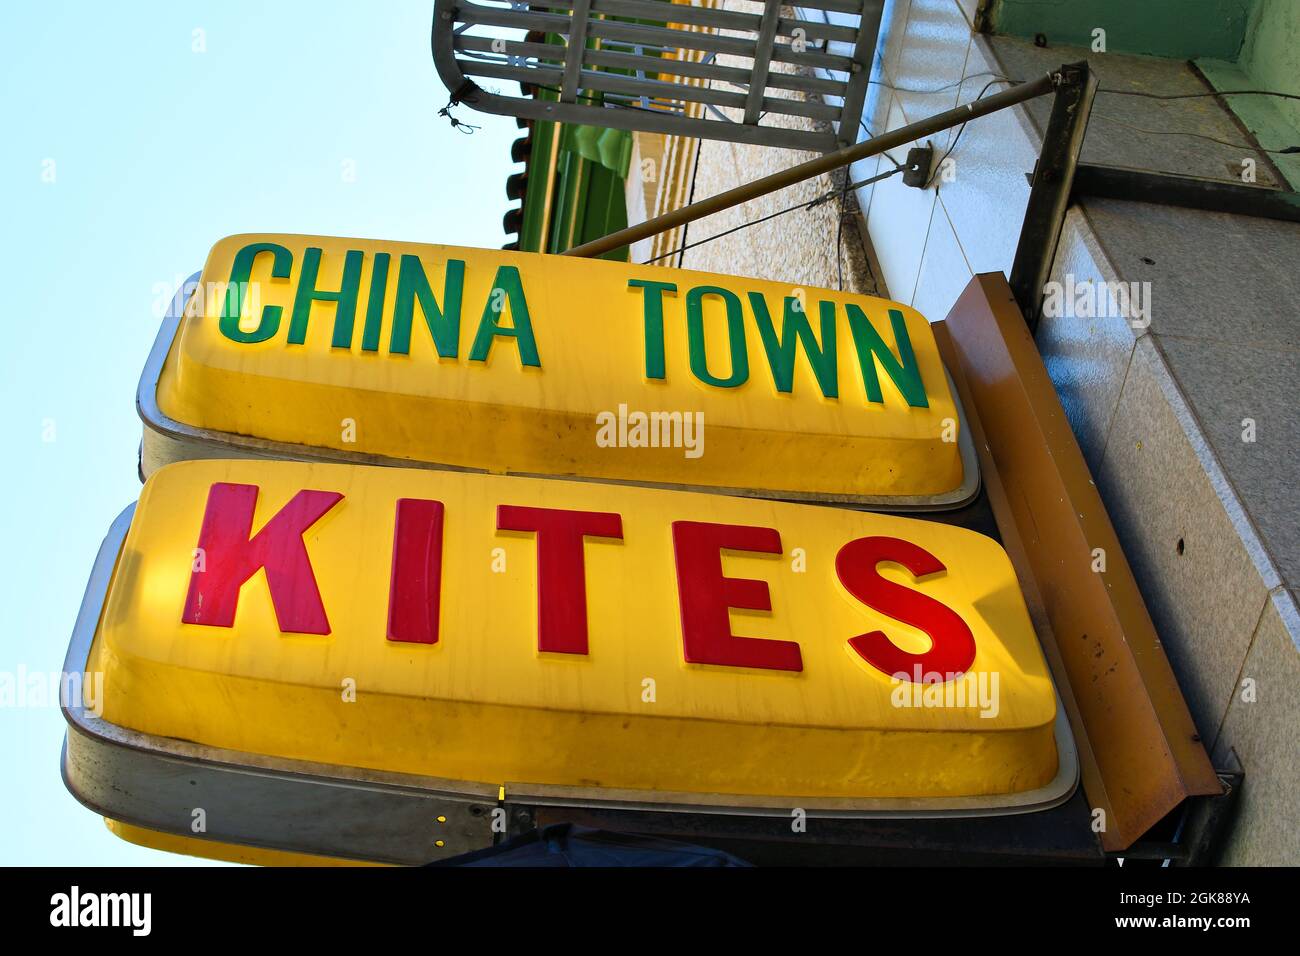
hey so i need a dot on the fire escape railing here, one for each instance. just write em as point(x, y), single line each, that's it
point(662, 67)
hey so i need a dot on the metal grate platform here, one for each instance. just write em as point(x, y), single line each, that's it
point(663, 67)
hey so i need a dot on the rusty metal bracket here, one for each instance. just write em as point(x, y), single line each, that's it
point(1051, 185)
point(1194, 832)
point(1059, 836)
point(1189, 192)
point(1139, 751)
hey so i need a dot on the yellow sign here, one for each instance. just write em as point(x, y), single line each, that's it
point(511, 630)
point(545, 365)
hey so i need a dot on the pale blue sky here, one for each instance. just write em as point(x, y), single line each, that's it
point(158, 151)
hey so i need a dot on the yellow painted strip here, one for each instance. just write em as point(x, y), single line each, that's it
point(484, 704)
point(587, 396)
point(216, 850)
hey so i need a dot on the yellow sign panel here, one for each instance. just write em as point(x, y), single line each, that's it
point(546, 365)
point(514, 630)
point(218, 850)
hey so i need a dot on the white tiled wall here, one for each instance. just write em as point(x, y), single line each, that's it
point(1219, 606)
point(930, 61)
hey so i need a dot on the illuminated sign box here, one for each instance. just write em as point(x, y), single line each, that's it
point(517, 363)
point(419, 635)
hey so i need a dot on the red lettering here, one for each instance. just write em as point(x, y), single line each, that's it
point(415, 588)
point(561, 570)
point(705, 597)
point(952, 647)
point(229, 558)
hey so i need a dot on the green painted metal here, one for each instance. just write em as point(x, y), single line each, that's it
point(1185, 29)
point(587, 199)
point(611, 148)
point(588, 188)
point(1262, 115)
point(1271, 54)
point(1269, 60)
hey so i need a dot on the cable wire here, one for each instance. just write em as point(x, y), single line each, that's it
point(961, 129)
point(1246, 147)
point(996, 78)
point(817, 201)
point(469, 129)
point(1192, 96)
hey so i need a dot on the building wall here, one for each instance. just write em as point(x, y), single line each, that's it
point(1159, 405)
point(799, 247)
point(1207, 519)
point(1270, 56)
point(1176, 28)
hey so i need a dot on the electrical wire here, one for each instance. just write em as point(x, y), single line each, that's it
point(690, 198)
point(870, 135)
point(469, 129)
point(1142, 94)
point(839, 237)
point(1102, 89)
point(1002, 78)
point(1192, 96)
point(899, 167)
point(817, 201)
point(961, 129)
point(945, 87)
point(1137, 129)
point(1245, 147)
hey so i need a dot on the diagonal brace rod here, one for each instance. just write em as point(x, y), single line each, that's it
point(822, 164)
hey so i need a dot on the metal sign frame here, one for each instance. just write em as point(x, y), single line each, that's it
point(166, 440)
point(361, 814)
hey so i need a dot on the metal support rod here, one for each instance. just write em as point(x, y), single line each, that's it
point(1189, 192)
point(575, 50)
point(816, 167)
point(1049, 195)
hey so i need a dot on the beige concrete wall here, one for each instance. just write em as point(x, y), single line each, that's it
point(1207, 522)
point(1206, 516)
point(798, 247)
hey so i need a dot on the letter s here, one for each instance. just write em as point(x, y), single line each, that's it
point(952, 647)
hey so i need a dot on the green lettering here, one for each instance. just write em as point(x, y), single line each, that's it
point(240, 271)
point(444, 324)
point(735, 333)
point(346, 298)
point(903, 370)
point(653, 306)
point(507, 286)
point(795, 330)
point(375, 303)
